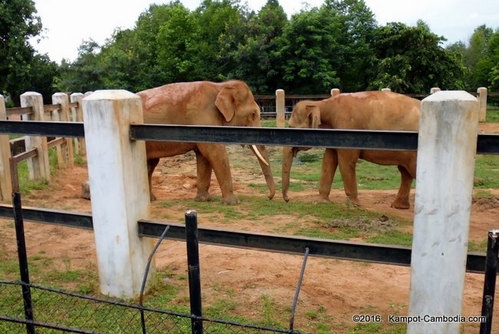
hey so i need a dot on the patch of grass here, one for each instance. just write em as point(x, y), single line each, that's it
point(480, 247)
point(492, 116)
point(486, 171)
point(392, 237)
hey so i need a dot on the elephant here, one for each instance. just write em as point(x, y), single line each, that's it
point(370, 110)
point(229, 103)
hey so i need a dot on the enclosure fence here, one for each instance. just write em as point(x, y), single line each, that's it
point(17, 309)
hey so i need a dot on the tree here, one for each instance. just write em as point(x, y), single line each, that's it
point(18, 23)
point(411, 60)
point(354, 33)
point(475, 57)
point(251, 48)
point(307, 52)
point(85, 73)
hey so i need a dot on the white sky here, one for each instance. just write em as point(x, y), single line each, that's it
point(69, 22)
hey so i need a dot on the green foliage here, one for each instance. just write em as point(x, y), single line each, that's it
point(20, 68)
point(338, 44)
point(411, 60)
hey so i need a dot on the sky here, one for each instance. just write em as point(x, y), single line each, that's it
point(68, 23)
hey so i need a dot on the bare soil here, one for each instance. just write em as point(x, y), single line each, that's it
point(341, 288)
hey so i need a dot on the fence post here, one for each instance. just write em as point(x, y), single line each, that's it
point(5, 176)
point(434, 90)
point(38, 166)
point(386, 90)
point(280, 108)
point(335, 91)
point(482, 103)
point(120, 192)
point(77, 116)
point(66, 151)
point(446, 162)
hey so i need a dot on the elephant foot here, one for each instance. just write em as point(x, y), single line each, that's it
point(203, 197)
point(322, 199)
point(354, 202)
point(230, 200)
point(400, 204)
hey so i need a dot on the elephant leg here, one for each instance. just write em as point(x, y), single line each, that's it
point(216, 154)
point(151, 165)
point(402, 199)
point(329, 165)
point(347, 161)
point(203, 178)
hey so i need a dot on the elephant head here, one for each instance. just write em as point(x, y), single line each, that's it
point(236, 103)
point(306, 114)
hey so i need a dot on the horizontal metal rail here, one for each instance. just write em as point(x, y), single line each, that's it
point(380, 140)
point(392, 140)
point(38, 128)
point(392, 255)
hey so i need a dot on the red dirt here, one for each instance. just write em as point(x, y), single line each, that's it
point(343, 288)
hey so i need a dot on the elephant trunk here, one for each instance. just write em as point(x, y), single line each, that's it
point(265, 165)
point(287, 161)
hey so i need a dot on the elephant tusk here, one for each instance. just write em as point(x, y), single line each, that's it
point(259, 155)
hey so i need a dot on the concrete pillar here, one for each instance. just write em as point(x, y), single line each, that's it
point(334, 92)
point(445, 167)
point(280, 108)
point(386, 90)
point(5, 173)
point(77, 116)
point(434, 90)
point(120, 192)
point(482, 103)
point(38, 167)
point(64, 152)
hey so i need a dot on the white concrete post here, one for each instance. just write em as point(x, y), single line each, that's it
point(386, 90)
point(5, 173)
point(434, 90)
point(38, 167)
point(335, 92)
point(446, 163)
point(120, 192)
point(482, 103)
point(64, 153)
point(77, 116)
point(280, 108)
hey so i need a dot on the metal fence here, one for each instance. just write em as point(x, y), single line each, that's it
point(119, 317)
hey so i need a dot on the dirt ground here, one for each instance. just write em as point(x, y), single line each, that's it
point(342, 288)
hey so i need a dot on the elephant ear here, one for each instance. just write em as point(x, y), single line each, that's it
point(226, 102)
point(314, 115)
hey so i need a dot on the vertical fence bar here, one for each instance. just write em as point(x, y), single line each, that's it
point(5, 173)
point(77, 116)
point(446, 161)
point(191, 236)
point(482, 103)
point(38, 166)
point(489, 286)
point(21, 250)
point(65, 151)
point(280, 108)
point(298, 289)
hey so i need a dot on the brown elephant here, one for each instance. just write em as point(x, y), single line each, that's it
point(228, 103)
point(373, 110)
